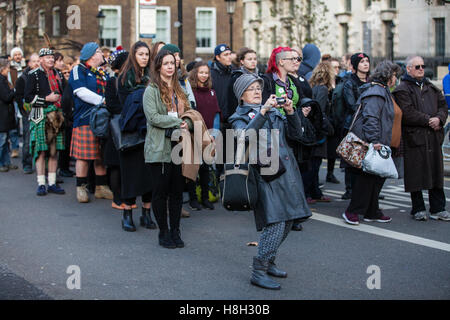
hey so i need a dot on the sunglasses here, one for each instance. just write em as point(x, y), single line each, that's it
point(298, 59)
point(419, 66)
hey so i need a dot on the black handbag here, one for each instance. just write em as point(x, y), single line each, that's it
point(238, 185)
point(124, 141)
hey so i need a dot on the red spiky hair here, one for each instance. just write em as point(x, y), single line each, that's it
point(272, 64)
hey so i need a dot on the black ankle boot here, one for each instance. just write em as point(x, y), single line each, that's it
point(127, 221)
point(274, 271)
point(176, 237)
point(146, 219)
point(165, 240)
point(260, 277)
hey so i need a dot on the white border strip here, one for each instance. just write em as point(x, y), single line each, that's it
point(384, 233)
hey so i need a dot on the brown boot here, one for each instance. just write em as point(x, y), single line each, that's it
point(103, 192)
point(82, 194)
point(184, 213)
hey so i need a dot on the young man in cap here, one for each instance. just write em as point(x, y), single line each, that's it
point(221, 76)
point(43, 90)
point(88, 82)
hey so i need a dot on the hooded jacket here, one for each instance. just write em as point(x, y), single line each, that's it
point(311, 57)
point(376, 117)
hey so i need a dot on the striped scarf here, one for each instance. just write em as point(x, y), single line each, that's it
point(100, 75)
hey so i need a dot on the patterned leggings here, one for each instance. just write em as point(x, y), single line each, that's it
point(272, 237)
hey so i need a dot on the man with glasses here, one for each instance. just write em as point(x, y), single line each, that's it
point(424, 115)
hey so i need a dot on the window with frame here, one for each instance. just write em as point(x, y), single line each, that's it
point(348, 5)
point(205, 29)
point(110, 31)
point(344, 28)
point(56, 21)
point(367, 38)
point(162, 24)
point(392, 4)
point(41, 23)
point(439, 27)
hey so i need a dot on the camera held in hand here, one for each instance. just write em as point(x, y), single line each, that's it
point(280, 101)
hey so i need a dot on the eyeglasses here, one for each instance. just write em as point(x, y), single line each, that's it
point(419, 66)
point(66, 72)
point(254, 89)
point(298, 59)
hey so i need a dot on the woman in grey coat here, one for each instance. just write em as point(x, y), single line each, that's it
point(281, 200)
point(373, 124)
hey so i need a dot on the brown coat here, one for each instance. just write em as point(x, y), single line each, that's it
point(424, 169)
point(189, 167)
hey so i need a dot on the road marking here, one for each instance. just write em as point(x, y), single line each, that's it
point(384, 233)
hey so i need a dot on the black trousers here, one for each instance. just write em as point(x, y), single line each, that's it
point(349, 179)
point(168, 185)
point(311, 179)
point(366, 189)
point(436, 197)
point(64, 155)
point(203, 173)
point(27, 159)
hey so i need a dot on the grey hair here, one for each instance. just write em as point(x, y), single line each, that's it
point(384, 71)
point(4, 63)
point(409, 60)
point(281, 55)
point(34, 55)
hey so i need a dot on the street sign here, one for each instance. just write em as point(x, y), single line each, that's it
point(147, 19)
point(147, 2)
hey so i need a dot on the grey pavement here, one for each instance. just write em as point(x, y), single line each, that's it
point(40, 237)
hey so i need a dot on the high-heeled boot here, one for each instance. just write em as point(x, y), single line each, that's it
point(127, 221)
point(146, 219)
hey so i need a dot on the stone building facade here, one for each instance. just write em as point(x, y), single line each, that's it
point(205, 24)
point(382, 28)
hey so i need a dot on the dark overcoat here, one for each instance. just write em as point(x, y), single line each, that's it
point(420, 101)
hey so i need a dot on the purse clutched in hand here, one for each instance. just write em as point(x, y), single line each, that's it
point(380, 163)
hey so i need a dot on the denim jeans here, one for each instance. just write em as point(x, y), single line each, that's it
point(14, 138)
point(4, 150)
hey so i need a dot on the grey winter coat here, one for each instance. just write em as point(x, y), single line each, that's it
point(282, 199)
point(376, 117)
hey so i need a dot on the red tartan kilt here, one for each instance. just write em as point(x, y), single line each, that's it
point(84, 145)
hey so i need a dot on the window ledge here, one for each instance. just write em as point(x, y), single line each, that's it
point(204, 50)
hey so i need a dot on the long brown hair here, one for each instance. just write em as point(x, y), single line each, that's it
point(193, 75)
point(323, 75)
point(162, 86)
point(132, 64)
point(154, 51)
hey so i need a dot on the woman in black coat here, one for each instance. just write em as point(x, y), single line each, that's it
point(135, 174)
point(7, 116)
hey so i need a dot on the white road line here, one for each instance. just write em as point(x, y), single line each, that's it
point(382, 205)
point(388, 204)
point(383, 232)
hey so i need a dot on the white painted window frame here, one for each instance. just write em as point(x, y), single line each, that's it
point(168, 23)
point(119, 27)
point(40, 30)
point(214, 32)
point(54, 33)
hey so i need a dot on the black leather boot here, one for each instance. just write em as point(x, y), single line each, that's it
point(274, 271)
point(175, 234)
point(165, 240)
point(146, 219)
point(127, 221)
point(260, 277)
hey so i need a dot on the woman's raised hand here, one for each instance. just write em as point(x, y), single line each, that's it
point(270, 103)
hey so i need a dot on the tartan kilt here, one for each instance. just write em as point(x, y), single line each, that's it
point(84, 145)
point(38, 141)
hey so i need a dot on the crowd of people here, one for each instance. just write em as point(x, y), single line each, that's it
point(313, 100)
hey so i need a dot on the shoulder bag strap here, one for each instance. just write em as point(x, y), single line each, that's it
point(354, 118)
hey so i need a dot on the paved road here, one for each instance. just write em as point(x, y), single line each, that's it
point(41, 237)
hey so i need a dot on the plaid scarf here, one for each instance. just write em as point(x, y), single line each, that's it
point(54, 81)
point(100, 75)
